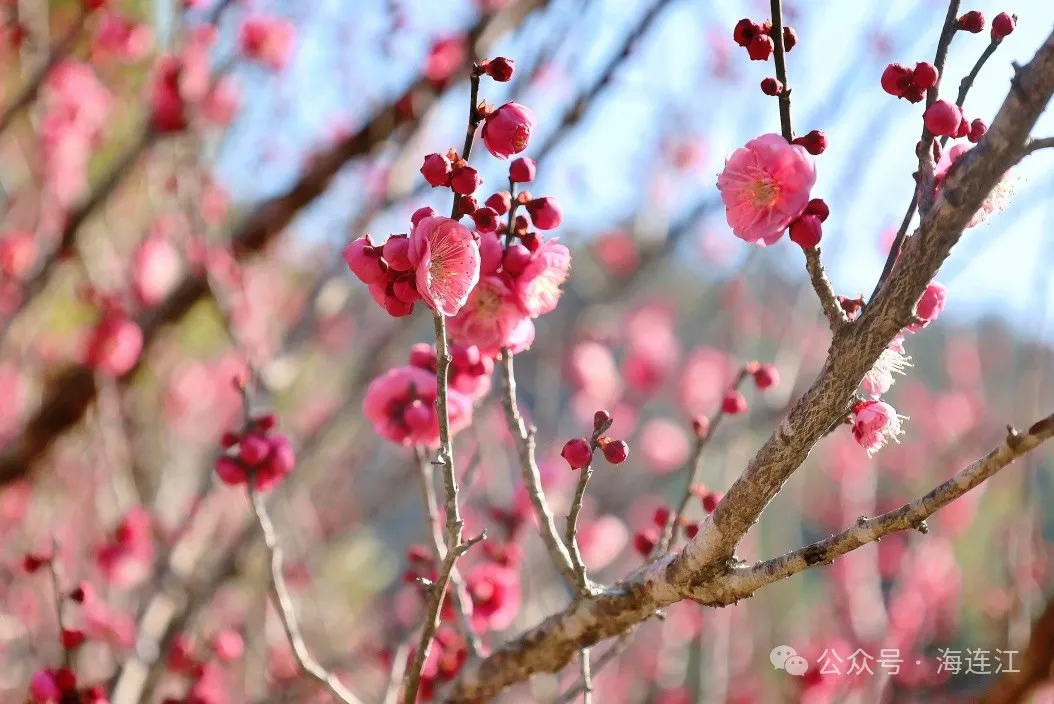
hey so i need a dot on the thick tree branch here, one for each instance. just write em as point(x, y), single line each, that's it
point(706, 570)
point(824, 289)
point(551, 645)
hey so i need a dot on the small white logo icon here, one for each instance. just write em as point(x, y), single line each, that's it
point(784, 657)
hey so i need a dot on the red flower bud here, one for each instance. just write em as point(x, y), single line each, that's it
point(700, 426)
point(500, 69)
point(436, 170)
point(545, 213)
point(806, 231)
point(815, 142)
point(522, 170)
point(818, 207)
point(943, 118)
point(766, 376)
point(711, 500)
point(733, 402)
point(691, 529)
point(771, 86)
point(925, 75)
point(486, 219)
point(577, 453)
point(31, 563)
point(515, 259)
point(760, 48)
point(745, 31)
point(977, 130)
point(465, 180)
point(615, 451)
point(790, 38)
point(422, 213)
point(71, 639)
point(601, 420)
point(662, 514)
point(972, 21)
point(1002, 25)
point(644, 543)
point(500, 202)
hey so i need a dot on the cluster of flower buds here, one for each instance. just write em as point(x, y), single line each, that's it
point(910, 84)
point(578, 452)
point(257, 452)
point(757, 38)
point(469, 371)
point(807, 230)
point(945, 119)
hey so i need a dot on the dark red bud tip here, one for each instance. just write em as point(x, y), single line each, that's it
point(31, 563)
point(745, 31)
point(806, 231)
point(766, 377)
point(977, 131)
point(733, 403)
point(691, 529)
point(925, 75)
point(644, 543)
point(577, 453)
point(602, 420)
point(771, 86)
point(616, 451)
point(760, 48)
point(522, 170)
point(790, 38)
point(815, 142)
point(819, 208)
point(1002, 25)
point(972, 21)
point(500, 69)
point(701, 426)
point(711, 500)
point(662, 514)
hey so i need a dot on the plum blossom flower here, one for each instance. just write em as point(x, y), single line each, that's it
point(892, 361)
point(114, 346)
point(930, 305)
point(998, 198)
point(268, 40)
point(765, 187)
point(400, 404)
point(507, 130)
point(537, 287)
point(495, 592)
point(875, 423)
point(492, 319)
point(446, 259)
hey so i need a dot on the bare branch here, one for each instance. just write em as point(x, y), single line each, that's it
point(287, 611)
point(532, 480)
point(1034, 145)
point(462, 600)
point(908, 517)
point(834, 313)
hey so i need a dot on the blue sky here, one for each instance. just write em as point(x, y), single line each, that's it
point(607, 169)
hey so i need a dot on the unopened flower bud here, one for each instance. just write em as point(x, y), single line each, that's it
point(500, 69)
point(577, 453)
point(972, 21)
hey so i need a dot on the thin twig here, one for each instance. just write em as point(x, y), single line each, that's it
point(287, 610)
point(780, 59)
point(821, 284)
point(455, 545)
point(571, 532)
point(834, 312)
point(56, 587)
point(462, 599)
point(395, 677)
point(587, 677)
point(1034, 145)
point(691, 471)
point(524, 438)
point(925, 149)
point(612, 653)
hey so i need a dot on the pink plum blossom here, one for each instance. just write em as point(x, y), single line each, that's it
point(268, 40)
point(765, 187)
point(994, 203)
point(892, 361)
point(446, 259)
point(875, 423)
point(537, 287)
point(400, 404)
point(495, 592)
point(492, 319)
